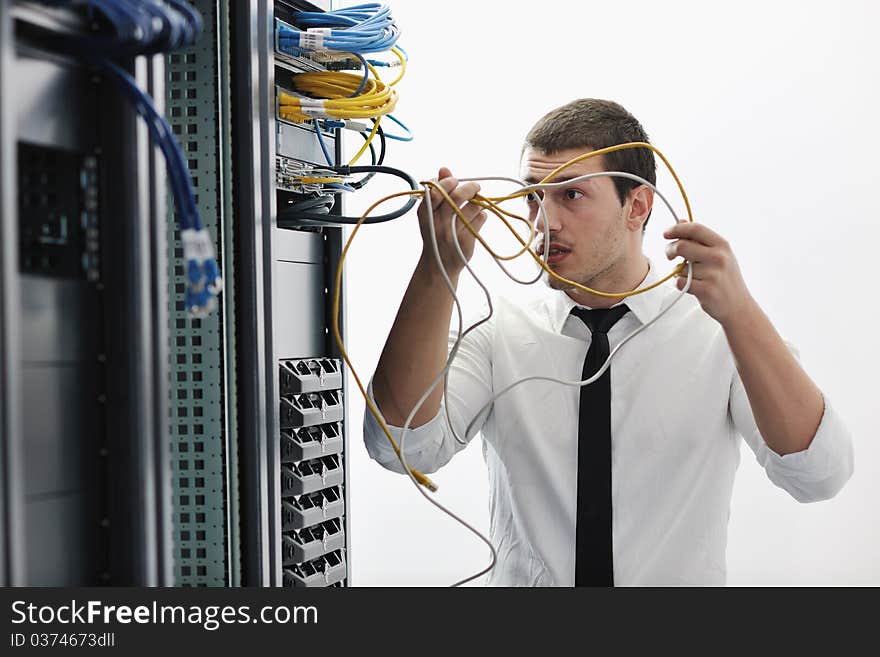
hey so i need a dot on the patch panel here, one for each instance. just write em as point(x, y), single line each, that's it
point(323, 571)
point(289, 171)
point(312, 464)
point(310, 375)
point(311, 408)
point(311, 442)
point(310, 476)
point(309, 509)
point(312, 542)
point(294, 63)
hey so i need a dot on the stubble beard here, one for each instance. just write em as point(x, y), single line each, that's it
point(585, 278)
point(593, 272)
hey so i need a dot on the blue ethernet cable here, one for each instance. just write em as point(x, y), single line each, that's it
point(357, 15)
point(322, 142)
point(362, 29)
point(193, 19)
point(290, 41)
point(378, 62)
point(407, 137)
point(202, 272)
point(143, 27)
point(340, 186)
point(140, 27)
point(366, 75)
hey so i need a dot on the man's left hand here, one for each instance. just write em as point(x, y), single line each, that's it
point(717, 281)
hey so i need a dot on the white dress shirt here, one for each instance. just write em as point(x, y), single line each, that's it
point(678, 410)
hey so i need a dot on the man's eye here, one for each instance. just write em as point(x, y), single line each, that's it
point(573, 194)
point(531, 197)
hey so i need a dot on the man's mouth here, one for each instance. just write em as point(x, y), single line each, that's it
point(557, 253)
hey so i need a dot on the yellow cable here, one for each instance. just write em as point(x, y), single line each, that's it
point(375, 129)
point(402, 66)
point(308, 180)
point(336, 89)
point(587, 156)
point(489, 203)
point(379, 118)
point(377, 99)
point(367, 142)
point(337, 286)
point(549, 177)
point(499, 212)
point(457, 210)
point(537, 258)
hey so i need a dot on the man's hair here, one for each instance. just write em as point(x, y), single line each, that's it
point(591, 123)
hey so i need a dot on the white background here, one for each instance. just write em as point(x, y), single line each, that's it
point(768, 111)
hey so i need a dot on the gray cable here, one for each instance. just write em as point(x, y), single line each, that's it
point(443, 375)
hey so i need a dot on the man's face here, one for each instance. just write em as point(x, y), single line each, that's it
point(586, 220)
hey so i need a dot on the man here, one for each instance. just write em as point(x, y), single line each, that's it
point(626, 481)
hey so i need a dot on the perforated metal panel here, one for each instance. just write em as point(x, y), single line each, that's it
point(202, 422)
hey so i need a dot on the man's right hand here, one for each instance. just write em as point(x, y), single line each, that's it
point(417, 345)
point(443, 214)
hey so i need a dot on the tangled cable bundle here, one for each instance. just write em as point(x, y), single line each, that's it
point(492, 205)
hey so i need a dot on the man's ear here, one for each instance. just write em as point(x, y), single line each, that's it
point(640, 201)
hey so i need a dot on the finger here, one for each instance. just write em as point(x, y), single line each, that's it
point(444, 173)
point(694, 231)
point(697, 287)
point(448, 184)
point(475, 221)
point(699, 272)
point(470, 211)
point(691, 251)
point(464, 193)
point(464, 235)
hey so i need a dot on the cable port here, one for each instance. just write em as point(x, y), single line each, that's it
point(310, 509)
point(310, 375)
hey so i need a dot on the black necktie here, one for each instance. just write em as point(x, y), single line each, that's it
point(593, 557)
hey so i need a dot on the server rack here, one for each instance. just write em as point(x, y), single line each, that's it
point(140, 446)
point(293, 418)
point(245, 509)
point(85, 491)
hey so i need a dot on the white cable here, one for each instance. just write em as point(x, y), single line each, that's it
point(450, 358)
point(601, 370)
point(434, 383)
point(461, 336)
point(622, 174)
point(454, 350)
point(500, 263)
point(588, 176)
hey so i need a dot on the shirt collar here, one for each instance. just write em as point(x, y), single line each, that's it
point(644, 306)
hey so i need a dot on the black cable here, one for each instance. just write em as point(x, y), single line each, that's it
point(381, 132)
point(290, 218)
point(320, 203)
point(363, 181)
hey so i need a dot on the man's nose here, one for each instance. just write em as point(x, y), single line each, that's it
point(548, 216)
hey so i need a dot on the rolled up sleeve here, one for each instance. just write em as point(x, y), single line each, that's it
point(814, 474)
point(423, 446)
point(430, 446)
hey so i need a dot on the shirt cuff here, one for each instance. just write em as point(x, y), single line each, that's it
point(418, 442)
point(819, 471)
